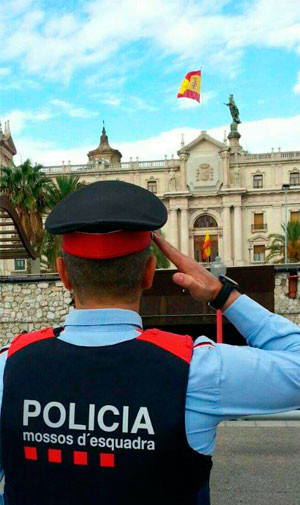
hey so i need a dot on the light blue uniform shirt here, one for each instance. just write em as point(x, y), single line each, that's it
point(225, 381)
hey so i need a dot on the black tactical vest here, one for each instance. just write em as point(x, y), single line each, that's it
point(99, 425)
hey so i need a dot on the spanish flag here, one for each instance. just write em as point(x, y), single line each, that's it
point(206, 249)
point(190, 86)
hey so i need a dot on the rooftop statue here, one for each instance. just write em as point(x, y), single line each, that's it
point(234, 111)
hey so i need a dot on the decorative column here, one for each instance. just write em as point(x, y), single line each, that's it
point(184, 231)
point(225, 164)
point(173, 227)
point(238, 236)
point(183, 160)
point(227, 236)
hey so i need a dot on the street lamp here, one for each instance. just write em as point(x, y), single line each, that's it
point(217, 268)
point(285, 188)
point(250, 250)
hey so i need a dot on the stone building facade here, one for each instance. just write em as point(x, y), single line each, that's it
point(212, 186)
point(7, 146)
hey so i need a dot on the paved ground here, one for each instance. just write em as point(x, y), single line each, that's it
point(257, 464)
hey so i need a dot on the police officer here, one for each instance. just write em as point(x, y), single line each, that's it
point(101, 412)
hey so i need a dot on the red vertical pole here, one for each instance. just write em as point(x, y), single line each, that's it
point(219, 327)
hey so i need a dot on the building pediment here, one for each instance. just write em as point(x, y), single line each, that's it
point(204, 163)
point(203, 142)
point(258, 238)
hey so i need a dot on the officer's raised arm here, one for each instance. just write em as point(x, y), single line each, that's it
point(260, 327)
point(201, 284)
point(270, 379)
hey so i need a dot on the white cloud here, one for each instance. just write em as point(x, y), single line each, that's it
point(263, 134)
point(4, 71)
point(297, 85)
point(109, 99)
point(187, 103)
point(19, 119)
point(137, 103)
point(71, 110)
point(20, 84)
point(47, 153)
point(128, 103)
point(257, 136)
point(196, 31)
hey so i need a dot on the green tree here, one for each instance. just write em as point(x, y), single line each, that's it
point(27, 187)
point(276, 247)
point(161, 260)
point(63, 186)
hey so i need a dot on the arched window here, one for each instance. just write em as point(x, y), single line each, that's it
point(205, 221)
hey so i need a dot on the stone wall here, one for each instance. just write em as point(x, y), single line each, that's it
point(284, 305)
point(25, 306)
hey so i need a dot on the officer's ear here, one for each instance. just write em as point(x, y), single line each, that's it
point(60, 265)
point(149, 273)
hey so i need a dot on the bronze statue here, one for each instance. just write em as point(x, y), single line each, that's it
point(234, 111)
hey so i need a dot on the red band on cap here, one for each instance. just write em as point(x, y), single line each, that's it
point(105, 245)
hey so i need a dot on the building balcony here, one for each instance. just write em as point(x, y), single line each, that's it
point(106, 166)
point(268, 156)
point(259, 227)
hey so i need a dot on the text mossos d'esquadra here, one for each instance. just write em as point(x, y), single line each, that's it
point(107, 418)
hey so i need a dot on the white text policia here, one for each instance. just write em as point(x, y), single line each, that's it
point(56, 415)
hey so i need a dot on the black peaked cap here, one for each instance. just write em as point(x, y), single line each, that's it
point(107, 206)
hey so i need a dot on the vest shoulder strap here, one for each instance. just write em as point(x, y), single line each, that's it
point(179, 345)
point(25, 339)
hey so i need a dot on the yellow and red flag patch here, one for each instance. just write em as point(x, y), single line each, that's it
point(206, 248)
point(190, 86)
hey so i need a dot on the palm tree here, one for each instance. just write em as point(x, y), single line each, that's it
point(27, 186)
point(276, 247)
point(161, 260)
point(63, 186)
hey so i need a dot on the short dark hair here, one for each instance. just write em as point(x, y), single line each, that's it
point(118, 278)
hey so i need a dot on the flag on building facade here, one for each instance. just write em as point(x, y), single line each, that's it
point(190, 86)
point(206, 248)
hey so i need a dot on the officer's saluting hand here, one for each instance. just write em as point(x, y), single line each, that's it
point(100, 412)
point(201, 284)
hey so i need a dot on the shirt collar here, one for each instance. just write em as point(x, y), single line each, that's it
point(103, 317)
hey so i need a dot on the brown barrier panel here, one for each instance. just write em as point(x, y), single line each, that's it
point(165, 306)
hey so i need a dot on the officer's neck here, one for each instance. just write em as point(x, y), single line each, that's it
point(107, 304)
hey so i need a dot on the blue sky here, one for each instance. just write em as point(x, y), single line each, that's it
point(66, 65)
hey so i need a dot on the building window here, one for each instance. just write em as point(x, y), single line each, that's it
point(205, 222)
point(259, 222)
point(259, 252)
point(295, 216)
point(257, 181)
point(295, 179)
point(20, 265)
point(152, 186)
point(198, 247)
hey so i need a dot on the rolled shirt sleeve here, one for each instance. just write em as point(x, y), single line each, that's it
point(227, 382)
